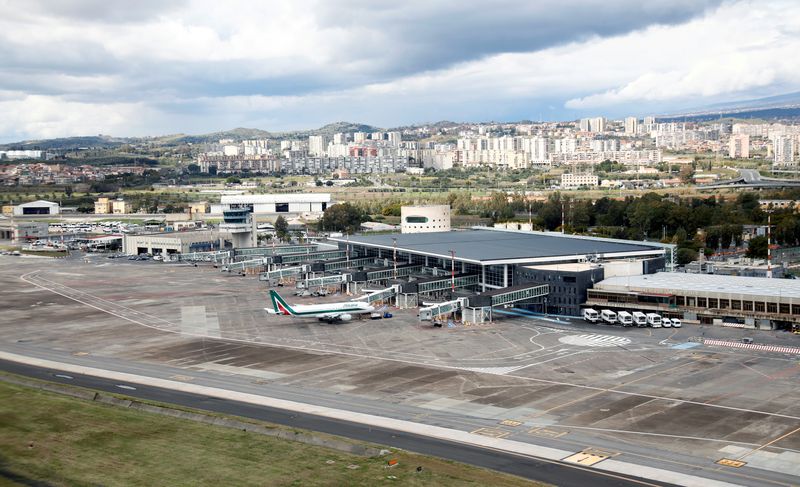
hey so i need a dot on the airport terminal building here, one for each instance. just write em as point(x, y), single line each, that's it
point(495, 259)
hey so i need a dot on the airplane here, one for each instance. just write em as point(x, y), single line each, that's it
point(329, 312)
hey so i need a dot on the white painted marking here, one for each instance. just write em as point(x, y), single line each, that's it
point(448, 434)
point(595, 340)
point(64, 376)
point(25, 278)
point(123, 386)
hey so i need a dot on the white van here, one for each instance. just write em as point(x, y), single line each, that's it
point(676, 323)
point(639, 318)
point(666, 322)
point(654, 320)
point(591, 315)
point(608, 316)
point(624, 318)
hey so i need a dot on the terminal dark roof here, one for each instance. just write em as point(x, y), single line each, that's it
point(495, 245)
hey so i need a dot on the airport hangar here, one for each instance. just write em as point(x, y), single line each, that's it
point(499, 259)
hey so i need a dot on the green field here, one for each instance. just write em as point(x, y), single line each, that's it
point(60, 440)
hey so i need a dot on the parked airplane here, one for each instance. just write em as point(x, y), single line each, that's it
point(330, 312)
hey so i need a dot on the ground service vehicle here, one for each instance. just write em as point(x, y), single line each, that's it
point(666, 322)
point(624, 318)
point(608, 316)
point(676, 323)
point(654, 320)
point(590, 315)
point(639, 318)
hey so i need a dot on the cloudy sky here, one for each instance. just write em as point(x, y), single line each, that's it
point(151, 67)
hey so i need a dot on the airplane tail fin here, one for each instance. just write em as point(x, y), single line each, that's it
point(279, 305)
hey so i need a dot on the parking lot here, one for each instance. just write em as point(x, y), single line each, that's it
point(637, 391)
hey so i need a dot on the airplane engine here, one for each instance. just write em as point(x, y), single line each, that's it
point(346, 317)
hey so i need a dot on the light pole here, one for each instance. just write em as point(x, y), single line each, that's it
point(453, 271)
point(394, 256)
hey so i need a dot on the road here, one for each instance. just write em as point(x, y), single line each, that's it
point(556, 473)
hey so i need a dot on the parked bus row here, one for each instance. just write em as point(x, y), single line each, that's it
point(624, 318)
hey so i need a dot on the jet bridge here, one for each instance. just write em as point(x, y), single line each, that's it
point(216, 256)
point(247, 264)
point(428, 313)
point(278, 250)
point(327, 280)
point(285, 272)
point(381, 295)
point(508, 295)
point(384, 273)
point(439, 283)
point(339, 264)
point(479, 307)
point(309, 256)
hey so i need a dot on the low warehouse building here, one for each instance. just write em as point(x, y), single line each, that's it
point(170, 243)
point(753, 302)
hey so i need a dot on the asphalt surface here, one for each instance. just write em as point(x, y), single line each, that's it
point(555, 473)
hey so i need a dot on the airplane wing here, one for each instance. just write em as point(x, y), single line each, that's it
point(330, 316)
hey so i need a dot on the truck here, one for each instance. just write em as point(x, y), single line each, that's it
point(591, 315)
point(608, 316)
point(639, 319)
point(654, 320)
point(624, 318)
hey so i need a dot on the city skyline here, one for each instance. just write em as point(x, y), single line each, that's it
point(195, 67)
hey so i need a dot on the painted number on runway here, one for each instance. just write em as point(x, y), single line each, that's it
point(595, 340)
point(728, 462)
point(585, 458)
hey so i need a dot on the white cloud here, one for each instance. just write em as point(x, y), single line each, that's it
point(206, 65)
point(743, 49)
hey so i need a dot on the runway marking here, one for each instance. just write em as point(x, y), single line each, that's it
point(398, 360)
point(510, 422)
point(595, 340)
point(612, 469)
point(182, 378)
point(491, 432)
point(731, 463)
point(123, 386)
point(547, 433)
point(585, 458)
point(751, 346)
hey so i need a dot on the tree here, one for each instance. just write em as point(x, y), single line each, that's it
point(193, 168)
point(343, 217)
point(233, 180)
point(757, 248)
point(281, 228)
point(686, 256)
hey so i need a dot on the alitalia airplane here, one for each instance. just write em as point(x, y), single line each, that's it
point(330, 312)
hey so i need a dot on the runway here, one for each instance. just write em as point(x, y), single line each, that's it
point(532, 468)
